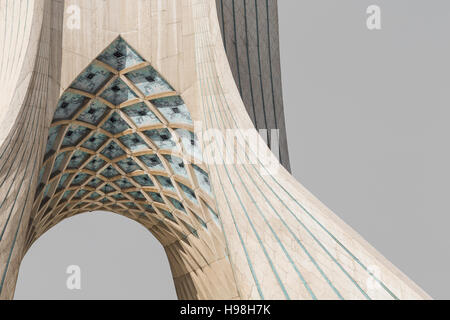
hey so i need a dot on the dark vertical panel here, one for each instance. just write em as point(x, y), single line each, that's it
point(242, 52)
point(251, 40)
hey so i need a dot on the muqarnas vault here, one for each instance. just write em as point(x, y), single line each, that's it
point(99, 114)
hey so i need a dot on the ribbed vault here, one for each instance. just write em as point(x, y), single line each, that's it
point(122, 140)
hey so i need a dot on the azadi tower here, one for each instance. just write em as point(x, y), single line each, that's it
point(127, 106)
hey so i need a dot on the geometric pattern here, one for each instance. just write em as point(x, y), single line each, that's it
point(116, 144)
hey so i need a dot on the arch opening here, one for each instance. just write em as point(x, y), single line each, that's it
point(110, 256)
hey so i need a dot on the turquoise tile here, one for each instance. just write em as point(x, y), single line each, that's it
point(144, 180)
point(92, 79)
point(188, 192)
point(68, 105)
point(177, 204)
point(74, 135)
point(152, 162)
point(52, 135)
point(141, 115)
point(112, 151)
point(94, 183)
point(95, 141)
point(177, 165)
point(156, 197)
point(128, 165)
point(190, 143)
point(173, 109)
point(202, 178)
point(162, 138)
point(77, 160)
point(120, 55)
point(79, 179)
point(165, 183)
point(134, 142)
point(118, 92)
point(110, 172)
point(124, 183)
point(95, 164)
point(94, 113)
point(148, 81)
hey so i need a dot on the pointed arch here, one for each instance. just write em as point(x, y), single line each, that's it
point(122, 140)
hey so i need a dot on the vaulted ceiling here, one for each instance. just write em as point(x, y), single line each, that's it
point(122, 140)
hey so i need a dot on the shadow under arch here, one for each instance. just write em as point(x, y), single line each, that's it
point(122, 140)
point(118, 259)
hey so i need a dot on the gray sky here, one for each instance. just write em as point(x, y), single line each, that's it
point(367, 117)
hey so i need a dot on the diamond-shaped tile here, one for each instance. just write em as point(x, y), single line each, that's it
point(79, 179)
point(173, 109)
point(141, 115)
point(68, 105)
point(94, 183)
point(149, 208)
point(165, 183)
point(74, 135)
point(124, 183)
point(94, 196)
point(66, 195)
point(190, 143)
point(152, 161)
point(118, 92)
point(107, 189)
point(112, 151)
point(115, 124)
point(92, 79)
point(120, 55)
point(177, 204)
point(59, 159)
point(95, 164)
point(62, 181)
point(105, 201)
point(80, 194)
point(162, 138)
point(128, 165)
point(167, 214)
point(148, 81)
point(130, 205)
point(144, 180)
point(95, 141)
point(52, 135)
point(191, 229)
point(136, 195)
point(188, 192)
point(177, 165)
point(110, 172)
point(156, 197)
point(78, 158)
point(134, 142)
point(201, 221)
point(202, 178)
point(118, 196)
point(94, 113)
